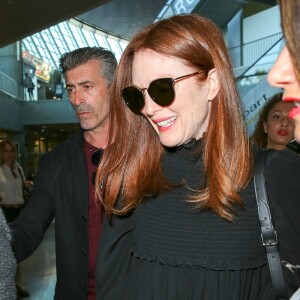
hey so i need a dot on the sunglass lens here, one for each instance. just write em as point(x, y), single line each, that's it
point(133, 98)
point(96, 157)
point(162, 91)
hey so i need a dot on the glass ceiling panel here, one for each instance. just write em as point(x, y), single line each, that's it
point(50, 47)
point(51, 43)
point(36, 40)
point(45, 36)
point(102, 41)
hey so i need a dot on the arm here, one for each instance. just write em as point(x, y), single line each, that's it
point(114, 257)
point(29, 228)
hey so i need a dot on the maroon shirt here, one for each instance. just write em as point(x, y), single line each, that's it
point(94, 221)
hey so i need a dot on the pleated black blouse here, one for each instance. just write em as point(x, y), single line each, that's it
point(169, 250)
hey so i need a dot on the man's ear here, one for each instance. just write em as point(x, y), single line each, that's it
point(214, 84)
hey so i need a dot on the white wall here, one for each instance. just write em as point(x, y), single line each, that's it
point(261, 25)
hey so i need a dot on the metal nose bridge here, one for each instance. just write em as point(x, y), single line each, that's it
point(144, 92)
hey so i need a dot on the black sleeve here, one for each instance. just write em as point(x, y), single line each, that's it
point(282, 174)
point(29, 228)
point(114, 257)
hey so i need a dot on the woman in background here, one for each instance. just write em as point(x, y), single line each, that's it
point(11, 181)
point(11, 192)
point(274, 128)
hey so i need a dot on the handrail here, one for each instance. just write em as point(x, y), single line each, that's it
point(257, 60)
point(9, 86)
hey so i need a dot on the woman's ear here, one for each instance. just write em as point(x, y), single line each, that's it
point(214, 84)
point(265, 127)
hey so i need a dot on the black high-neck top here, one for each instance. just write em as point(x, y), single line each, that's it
point(171, 230)
point(168, 249)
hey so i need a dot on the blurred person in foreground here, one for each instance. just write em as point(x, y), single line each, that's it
point(176, 179)
point(285, 73)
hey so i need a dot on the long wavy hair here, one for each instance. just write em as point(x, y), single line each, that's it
point(132, 165)
point(259, 136)
point(290, 20)
point(3, 143)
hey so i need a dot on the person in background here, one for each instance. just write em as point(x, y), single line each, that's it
point(274, 128)
point(11, 193)
point(176, 179)
point(285, 73)
point(28, 83)
point(64, 184)
point(7, 263)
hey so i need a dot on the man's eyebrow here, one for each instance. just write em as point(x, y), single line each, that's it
point(80, 83)
point(69, 85)
point(85, 82)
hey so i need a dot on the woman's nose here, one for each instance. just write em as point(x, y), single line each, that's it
point(150, 107)
point(282, 71)
point(284, 121)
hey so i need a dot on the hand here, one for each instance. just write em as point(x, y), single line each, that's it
point(28, 183)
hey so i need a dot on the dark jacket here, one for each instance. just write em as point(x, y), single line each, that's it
point(60, 192)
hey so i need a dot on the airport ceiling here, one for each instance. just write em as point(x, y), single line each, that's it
point(122, 18)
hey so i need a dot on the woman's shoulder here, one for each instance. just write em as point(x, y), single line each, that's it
point(3, 170)
point(282, 168)
point(285, 154)
point(282, 173)
point(285, 162)
point(3, 166)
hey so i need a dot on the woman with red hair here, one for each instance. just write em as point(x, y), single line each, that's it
point(176, 178)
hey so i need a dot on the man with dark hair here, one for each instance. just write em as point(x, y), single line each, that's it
point(64, 184)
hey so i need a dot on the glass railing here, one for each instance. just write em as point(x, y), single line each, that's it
point(251, 79)
point(256, 59)
point(247, 54)
point(11, 87)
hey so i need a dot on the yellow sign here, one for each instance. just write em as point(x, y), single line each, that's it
point(43, 70)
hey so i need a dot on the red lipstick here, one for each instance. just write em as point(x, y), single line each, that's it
point(291, 99)
point(282, 132)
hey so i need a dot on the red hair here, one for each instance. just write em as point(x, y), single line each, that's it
point(131, 166)
point(290, 12)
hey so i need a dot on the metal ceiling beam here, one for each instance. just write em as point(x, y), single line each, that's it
point(221, 12)
point(21, 18)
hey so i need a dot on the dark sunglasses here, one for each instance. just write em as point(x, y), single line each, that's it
point(95, 159)
point(160, 90)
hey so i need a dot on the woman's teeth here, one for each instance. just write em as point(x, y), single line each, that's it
point(166, 123)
